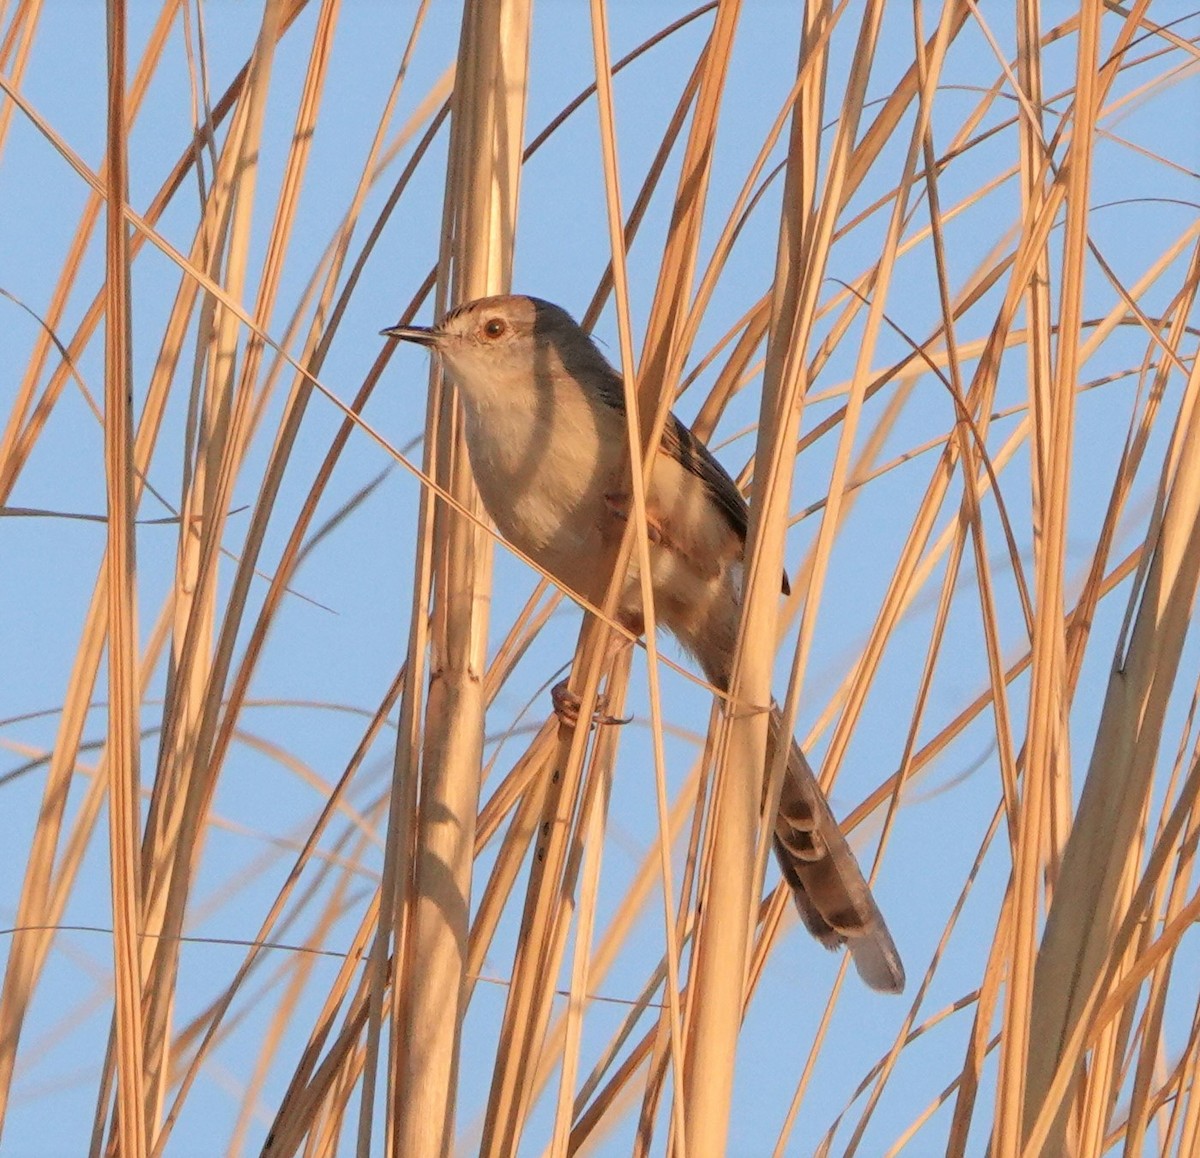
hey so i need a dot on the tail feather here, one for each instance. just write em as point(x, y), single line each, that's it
point(830, 892)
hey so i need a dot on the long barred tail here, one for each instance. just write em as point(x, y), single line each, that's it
point(829, 889)
point(831, 894)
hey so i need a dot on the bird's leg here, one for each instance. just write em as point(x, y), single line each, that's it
point(566, 702)
point(566, 707)
point(618, 505)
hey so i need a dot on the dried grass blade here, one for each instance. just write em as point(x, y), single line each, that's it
point(1077, 944)
point(122, 748)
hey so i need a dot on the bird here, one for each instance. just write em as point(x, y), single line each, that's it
point(545, 428)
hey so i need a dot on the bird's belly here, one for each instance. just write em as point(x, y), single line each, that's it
point(556, 532)
point(561, 501)
point(547, 496)
point(569, 530)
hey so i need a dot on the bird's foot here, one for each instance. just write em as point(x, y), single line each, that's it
point(566, 708)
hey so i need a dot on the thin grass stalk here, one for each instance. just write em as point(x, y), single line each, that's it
point(657, 1039)
point(668, 337)
point(1148, 1059)
point(222, 413)
point(1101, 1084)
point(973, 489)
point(1138, 1033)
point(548, 902)
point(906, 1039)
point(1046, 993)
point(901, 1143)
point(14, 55)
point(590, 1117)
point(1120, 773)
point(1052, 411)
point(879, 132)
point(309, 1094)
point(1185, 1113)
point(820, 1038)
point(40, 894)
point(1031, 152)
point(604, 957)
point(649, 187)
point(662, 357)
point(123, 738)
point(526, 782)
point(965, 1085)
point(268, 926)
point(392, 916)
point(509, 861)
point(19, 446)
point(526, 627)
point(840, 470)
point(722, 936)
point(584, 866)
point(333, 1051)
point(431, 985)
point(1111, 995)
point(14, 436)
point(286, 1006)
point(72, 858)
point(981, 1044)
point(36, 914)
point(646, 453)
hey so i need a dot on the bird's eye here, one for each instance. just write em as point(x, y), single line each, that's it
point(494, 327)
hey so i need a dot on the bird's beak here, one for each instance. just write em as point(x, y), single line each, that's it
point(422, 335)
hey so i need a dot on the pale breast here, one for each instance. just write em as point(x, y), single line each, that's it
point(542, 476)
point(555, 482)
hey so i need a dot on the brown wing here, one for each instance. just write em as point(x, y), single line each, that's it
point(586, 362)
point(679, 441)
point(681, 444)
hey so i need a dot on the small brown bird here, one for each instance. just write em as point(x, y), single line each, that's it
point(546, 435)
